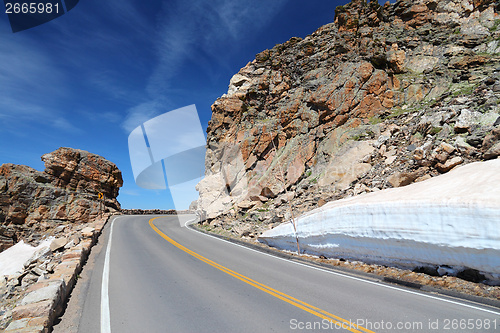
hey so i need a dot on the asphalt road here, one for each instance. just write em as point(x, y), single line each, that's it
point(166, 278)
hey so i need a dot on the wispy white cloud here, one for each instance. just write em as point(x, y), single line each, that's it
point(123, 50)
point(198, 31)
point(31, 86)
point(192, 29)
point(112, 85)
point(143, 112)
point(108, 117)
point(63, 124)
point(130, 192)
point(41, 77)
point(25, 68)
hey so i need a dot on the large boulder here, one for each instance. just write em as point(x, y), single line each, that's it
point(80, 170)
point(66, 192)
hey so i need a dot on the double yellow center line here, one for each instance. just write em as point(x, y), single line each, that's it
point(335, 320)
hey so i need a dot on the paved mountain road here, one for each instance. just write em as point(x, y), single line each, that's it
point(167, 278)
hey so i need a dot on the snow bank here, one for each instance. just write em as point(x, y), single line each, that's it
point(452, 219)
point(13, 259)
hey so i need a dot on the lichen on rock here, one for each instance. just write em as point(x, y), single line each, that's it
point(397, 80)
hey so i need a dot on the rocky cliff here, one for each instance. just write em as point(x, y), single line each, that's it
point(32, 203)
point(382, 97)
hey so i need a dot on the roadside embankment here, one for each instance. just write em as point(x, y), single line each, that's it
point(36, 295)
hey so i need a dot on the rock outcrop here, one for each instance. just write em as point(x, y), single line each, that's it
point(32, 202)
point(382, 97)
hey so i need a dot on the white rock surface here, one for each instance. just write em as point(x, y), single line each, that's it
point(225, 185)
point(452, 219)
point(51, 292)
point(346, 167)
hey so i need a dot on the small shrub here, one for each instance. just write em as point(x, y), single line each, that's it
point(395, 112)
point(357, 137)
point(435, 130)
point(495, 25)
point(314, 180)
point(466, 90)
point(375, 120)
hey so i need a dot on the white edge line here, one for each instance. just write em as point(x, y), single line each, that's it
point(105, 317)
point(347, 276)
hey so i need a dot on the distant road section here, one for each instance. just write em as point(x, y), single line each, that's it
point(164, 278)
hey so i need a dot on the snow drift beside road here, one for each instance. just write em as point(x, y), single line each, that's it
point(12, 260)
point(452, 219)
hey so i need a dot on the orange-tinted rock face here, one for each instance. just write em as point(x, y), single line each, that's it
point(82, 171)
point(285, 107)
point(66, 192)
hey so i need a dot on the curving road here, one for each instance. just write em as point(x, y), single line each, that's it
point(156, 276)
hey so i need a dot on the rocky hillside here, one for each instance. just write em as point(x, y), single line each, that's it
point(34, 203)
point(382, 97)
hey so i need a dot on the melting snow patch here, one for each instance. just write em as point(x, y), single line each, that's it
point(12, 260)
point(452, 219)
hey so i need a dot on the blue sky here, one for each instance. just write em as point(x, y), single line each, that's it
point(88, 78)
